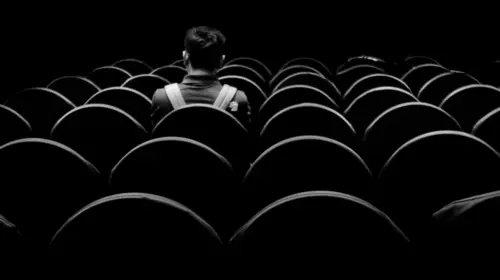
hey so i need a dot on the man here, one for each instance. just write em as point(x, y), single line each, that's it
point(203, 56)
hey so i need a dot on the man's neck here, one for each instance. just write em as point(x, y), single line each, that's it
point(201, 72)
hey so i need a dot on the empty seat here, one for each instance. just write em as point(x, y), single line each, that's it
point(314, 80)
point(372, 81)
point(414, 61)
point(108, 76)
point(437, 88)
point(11, 242)
point(145, 233)
point(488, 129)
point(432, 170)
point(255, 95)
point(243, 71)
point(41, 107)
point(146, 84)
point(184, 170)
point(399, 124)
point(44, 183)
point(76, 89)
point(172, 73)
point(179, 62)
point(100, 133)
point(465, 234)
point(128, 100)
point(292, 95)
point(366, 107)
point(323, 232)
point(346, 78)
point(304, 163)
point(310, 62)
point(12, 125)
point(419, 75)
point(470, 103)
point(306, 119)
point(364, 60)
point(283, 74)
point(253, 63)
point(211, 126)
point(133, 66)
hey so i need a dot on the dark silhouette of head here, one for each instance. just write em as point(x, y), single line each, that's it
point(204, 49)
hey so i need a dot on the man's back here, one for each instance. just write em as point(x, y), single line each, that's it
point(203, 56)
point(200, 88)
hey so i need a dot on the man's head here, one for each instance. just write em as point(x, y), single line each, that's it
point(204, 48)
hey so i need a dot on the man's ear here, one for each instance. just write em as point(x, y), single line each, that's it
point(185, 58)
point(222, 60)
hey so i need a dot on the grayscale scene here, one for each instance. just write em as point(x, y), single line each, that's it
point(189, 141)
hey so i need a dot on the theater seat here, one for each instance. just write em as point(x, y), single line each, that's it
point(292, 95)
point(12, 125)
point(437, 88)
point(320, 233)
point(243, 71)
point(172, 73)
point(314, 80)
point(43, 183)
point(306, 119)
point(366, 107)
point(136, 233)
point(488, 129)
point(365, 60)
point(253, 63)
point(179, 62)
point(146, 84)
point(128, 100)
point(346, 78)
point(11, 243)
point(290, 70)
point(372, 81)
point(414, 61)
point(133, 66)
point(211, 126)
point(255, 95)
point(470, 103)
point(184, 170)
point(101, 133)
point(432, 170)
point(41, 107)
point(465, 235)
point(108, 76)
point(304, 163)
point(421, 74)
point(399, 124)
point(77, 89)
point(310, 62)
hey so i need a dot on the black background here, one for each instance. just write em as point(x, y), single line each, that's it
point(45, 40)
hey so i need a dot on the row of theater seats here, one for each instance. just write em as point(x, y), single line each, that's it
point(323, 154)
point(334, 231)
point(361, 117)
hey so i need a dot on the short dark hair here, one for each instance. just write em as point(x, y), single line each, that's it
point(205, 46)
